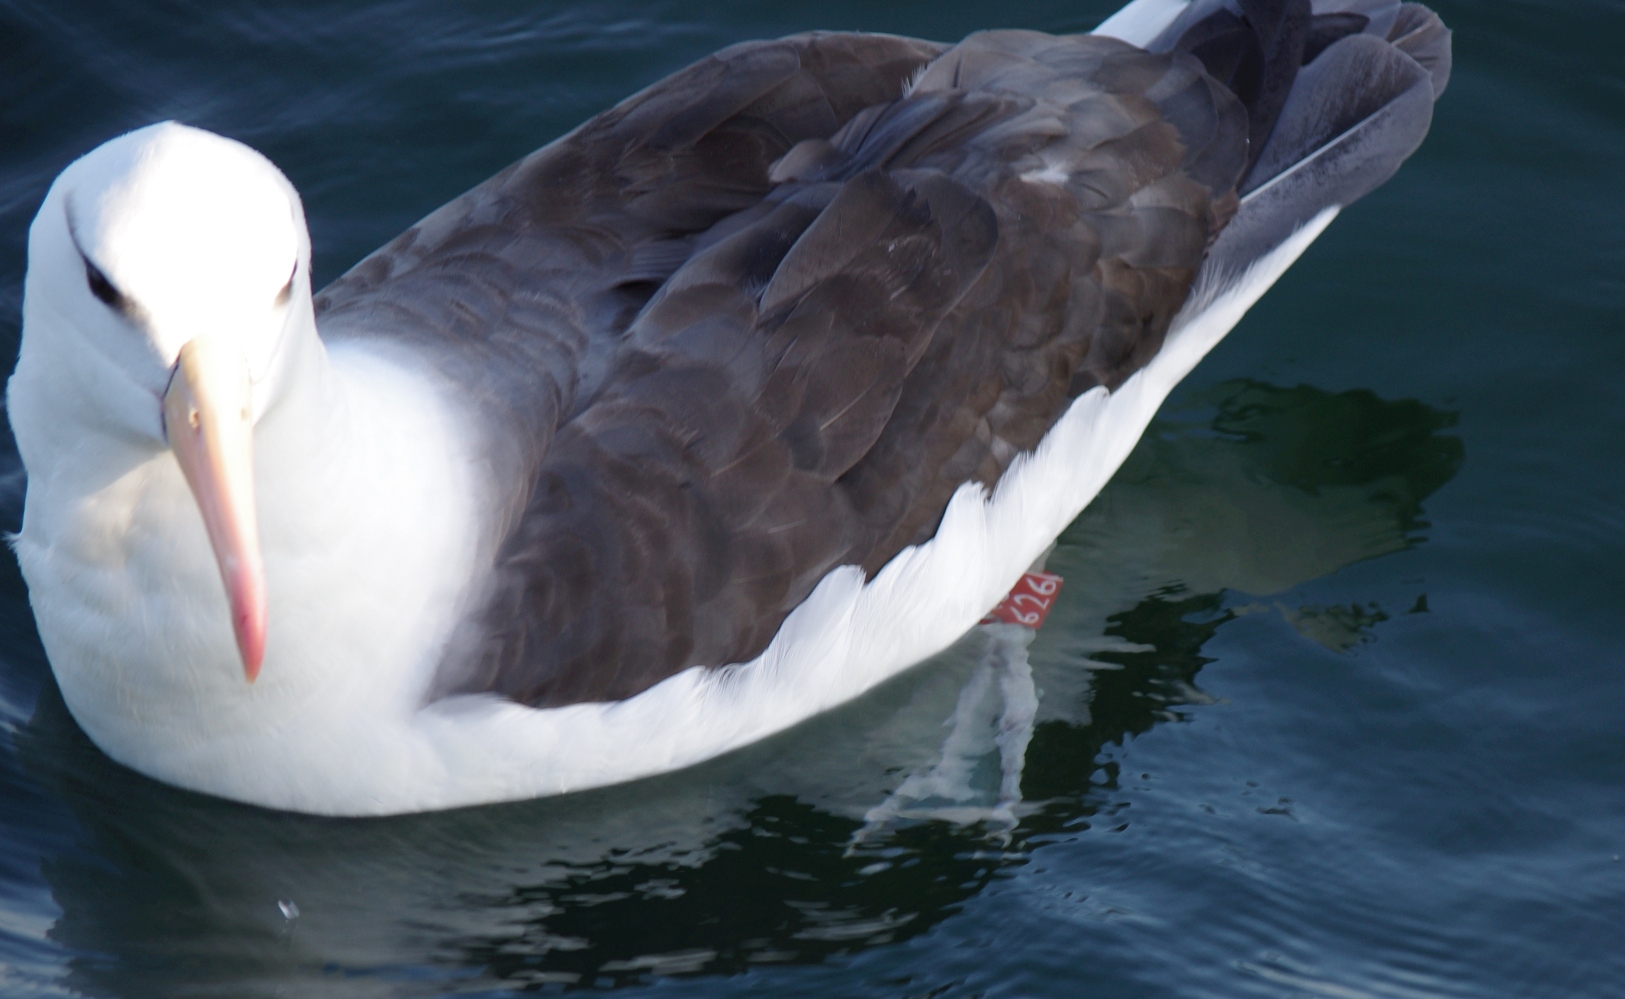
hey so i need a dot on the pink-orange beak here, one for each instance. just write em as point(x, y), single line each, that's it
point(208, 418)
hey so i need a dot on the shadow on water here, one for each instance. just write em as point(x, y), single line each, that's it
point(772, 854)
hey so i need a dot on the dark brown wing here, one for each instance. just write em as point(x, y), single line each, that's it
point(762, 319)
point(521, 289)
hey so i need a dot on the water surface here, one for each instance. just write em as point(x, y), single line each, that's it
point(1330, 705)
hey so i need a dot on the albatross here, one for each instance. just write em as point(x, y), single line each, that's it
point(744, 396)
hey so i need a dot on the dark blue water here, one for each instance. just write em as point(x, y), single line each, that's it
point(1332, 704)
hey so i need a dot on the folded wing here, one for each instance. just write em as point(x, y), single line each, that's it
point(764, 318)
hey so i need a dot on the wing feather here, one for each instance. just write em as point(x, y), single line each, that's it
point(764, 318)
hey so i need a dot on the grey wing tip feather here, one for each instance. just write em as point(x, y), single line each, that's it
point(1357, 110)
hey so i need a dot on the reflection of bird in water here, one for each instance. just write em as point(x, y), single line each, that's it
point(552, 891)
point(731, 404)
point(1272, 488)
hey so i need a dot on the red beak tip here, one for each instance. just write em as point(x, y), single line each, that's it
point(251, 646)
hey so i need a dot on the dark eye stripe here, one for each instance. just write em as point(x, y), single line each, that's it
point(287, 289)
point(103, 288)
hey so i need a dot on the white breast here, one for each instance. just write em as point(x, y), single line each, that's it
point(369, 519)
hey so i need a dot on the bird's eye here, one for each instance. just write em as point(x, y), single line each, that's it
point(103, 288)
point(287, 289)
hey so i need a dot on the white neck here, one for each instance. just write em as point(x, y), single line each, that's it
point(367, 495)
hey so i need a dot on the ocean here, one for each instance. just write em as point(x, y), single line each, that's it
point(1330, 705)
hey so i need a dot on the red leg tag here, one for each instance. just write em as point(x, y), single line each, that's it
point(1029, 601)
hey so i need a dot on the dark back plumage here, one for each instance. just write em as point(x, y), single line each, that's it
point(764, 318)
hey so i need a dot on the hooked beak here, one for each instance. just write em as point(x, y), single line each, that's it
point(208, 420)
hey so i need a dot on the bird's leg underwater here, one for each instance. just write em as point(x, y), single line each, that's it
point(981, 722)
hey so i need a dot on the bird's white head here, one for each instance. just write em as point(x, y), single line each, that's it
point(170, 266)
